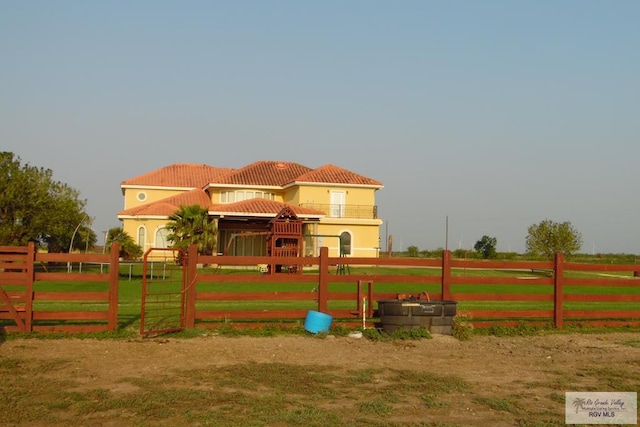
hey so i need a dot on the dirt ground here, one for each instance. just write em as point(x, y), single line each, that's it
point(505, 366)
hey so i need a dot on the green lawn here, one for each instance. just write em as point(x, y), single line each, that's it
point(131, 285)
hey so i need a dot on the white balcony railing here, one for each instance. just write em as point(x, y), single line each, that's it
point(344, 211)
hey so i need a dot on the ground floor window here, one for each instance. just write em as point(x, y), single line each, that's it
point(161, 238)
point(141, 237)
point(345, 243)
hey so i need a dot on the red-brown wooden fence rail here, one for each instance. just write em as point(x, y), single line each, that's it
point(553, 289)
point(20, 299)
point(562, 296)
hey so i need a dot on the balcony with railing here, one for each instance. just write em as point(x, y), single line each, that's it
point(344, 211)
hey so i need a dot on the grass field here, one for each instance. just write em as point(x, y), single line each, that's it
point(131, 285)
point(488, 380)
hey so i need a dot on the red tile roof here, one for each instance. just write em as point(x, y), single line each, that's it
point(267, 173)
point(168, 206)
point(261, 173)
point(261, 206)
point(331, 174)
point(180, 175)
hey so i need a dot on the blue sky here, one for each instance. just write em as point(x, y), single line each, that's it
point(493, 114)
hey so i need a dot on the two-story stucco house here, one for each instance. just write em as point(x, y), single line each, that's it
point(337, 207)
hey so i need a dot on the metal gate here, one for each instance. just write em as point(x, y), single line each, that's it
point(163, 291)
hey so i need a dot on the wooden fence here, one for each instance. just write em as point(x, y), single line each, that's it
point(31, 283)
point(554, 289)
point(34, 297)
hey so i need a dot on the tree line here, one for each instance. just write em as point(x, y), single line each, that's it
point(543, 240)
point(34, 207)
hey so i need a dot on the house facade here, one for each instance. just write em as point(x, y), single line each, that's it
point(336, 207)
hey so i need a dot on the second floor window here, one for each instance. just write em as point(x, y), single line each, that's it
point(240, 195)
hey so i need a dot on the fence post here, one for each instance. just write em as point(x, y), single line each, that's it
point(114, 278)
point(558, 292)
point(370, 296)
point(446, 275)
point(190, 291)
point(323, 279)
point(31, 273)
point(359, 298)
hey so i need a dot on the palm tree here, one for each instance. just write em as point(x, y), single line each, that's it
point(191, 225)
point(578, 403)
point(128, 248)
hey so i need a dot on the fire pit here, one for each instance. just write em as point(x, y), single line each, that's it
point(403, 314)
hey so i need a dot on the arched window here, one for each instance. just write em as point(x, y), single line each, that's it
point(161, 238)
point(142, 235)
point(345, 243)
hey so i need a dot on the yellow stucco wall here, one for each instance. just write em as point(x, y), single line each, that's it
point(364, 237)
point(153, 195)
point(303, 194)
point(291, 196)
point(131, 226)
point(322, 195)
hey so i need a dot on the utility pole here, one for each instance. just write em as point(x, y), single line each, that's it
point(446, 234)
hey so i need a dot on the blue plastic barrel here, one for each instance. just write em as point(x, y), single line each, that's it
point(317, 322)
